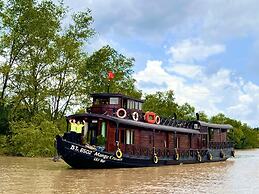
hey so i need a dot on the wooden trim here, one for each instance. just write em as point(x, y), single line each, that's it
point(117, 135)
point(175, 140)
point(154, 149)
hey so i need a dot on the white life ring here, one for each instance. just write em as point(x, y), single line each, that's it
point(135, 116)
point(157, 119)
point(119, 111)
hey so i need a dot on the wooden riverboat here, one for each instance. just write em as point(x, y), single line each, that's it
point(117, 133)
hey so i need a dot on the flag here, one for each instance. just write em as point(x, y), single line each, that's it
point(110, 75)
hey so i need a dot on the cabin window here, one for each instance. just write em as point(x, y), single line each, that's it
point(128, 103)
point(96, 101)
point(129, 136)
point(131, 104)
point(124, 104)
point(114, 100)
point(140, 106)
point(211, 132)
point(101, 101)
point(103, 130)
point(136, 105)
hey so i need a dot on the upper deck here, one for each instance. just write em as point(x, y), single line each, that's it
point(110, 102)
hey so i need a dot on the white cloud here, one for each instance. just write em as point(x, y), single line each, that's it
point(227, 18)
point(215, 93)
point(98, 42)
point(191, 50)
point(155, 74)
point(212, 19)
point(190, 71)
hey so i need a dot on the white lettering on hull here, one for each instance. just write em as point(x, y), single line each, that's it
point(98, 157)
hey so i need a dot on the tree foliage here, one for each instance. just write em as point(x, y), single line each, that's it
point(94, 72)
point(39, 139)
point(45, 70)
point(163, 103)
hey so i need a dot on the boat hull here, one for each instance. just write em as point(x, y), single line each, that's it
point(81, 156)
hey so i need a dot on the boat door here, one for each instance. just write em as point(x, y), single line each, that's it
point(92, 132)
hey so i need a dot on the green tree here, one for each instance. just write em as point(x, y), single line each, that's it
point(42, 58)
point(95, 73)
point(203, 116)
point(26, 32)
point(40, 64)
point(45, 70)
point(162, 103)
point(219, 118)
point(186, 112)
point(32, 139)
point(70, 60)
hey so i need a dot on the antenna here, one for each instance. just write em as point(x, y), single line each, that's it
point(197, 116)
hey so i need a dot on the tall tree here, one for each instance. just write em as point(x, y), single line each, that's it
point(27, 29)
point(162, 103)
point(203, 116)
point(69, 62)
point(186, 112)
point(96, 69)
point(28, 33)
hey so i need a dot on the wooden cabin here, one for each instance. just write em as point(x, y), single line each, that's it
point(140, 138)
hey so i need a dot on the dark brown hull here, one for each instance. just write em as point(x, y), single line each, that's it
point(79, 156)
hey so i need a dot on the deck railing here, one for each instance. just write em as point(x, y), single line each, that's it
point(220, 145)
point(135, 150)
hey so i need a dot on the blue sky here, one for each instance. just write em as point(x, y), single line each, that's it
point(206, 51)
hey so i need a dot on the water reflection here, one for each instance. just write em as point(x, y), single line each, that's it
point(37, 175)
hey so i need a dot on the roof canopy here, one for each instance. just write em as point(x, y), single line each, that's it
point(217, 126)
point(135, 124)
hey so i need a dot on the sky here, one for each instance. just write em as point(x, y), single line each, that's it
point(206, 51)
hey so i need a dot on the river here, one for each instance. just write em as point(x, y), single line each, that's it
point(42, 175)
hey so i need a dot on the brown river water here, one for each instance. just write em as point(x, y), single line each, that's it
point(42, 175)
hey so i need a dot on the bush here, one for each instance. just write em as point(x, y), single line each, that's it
point(28, 139)
point(3, 144)
point(4, 123)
